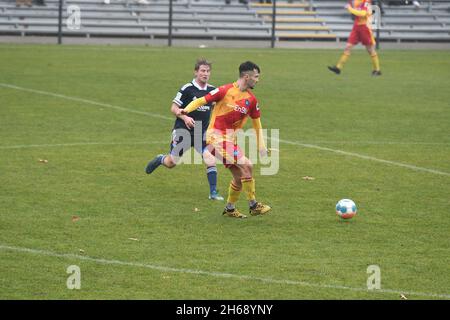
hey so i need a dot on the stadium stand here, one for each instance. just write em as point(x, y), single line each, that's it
point(429, 22)
point(214, 19)
point(295, 20)
point(196, 19)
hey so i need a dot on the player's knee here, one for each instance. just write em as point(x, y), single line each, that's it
point(237, 182)
point(247, 169)
point(210, 162)
point(371, 50)
point(209, 159)
point(348, 49)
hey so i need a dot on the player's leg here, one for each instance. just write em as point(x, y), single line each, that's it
point(234, 191)
point(244, 173)
point(375, 61)
point(368, 40)
point(199, 144)
point(224, 151)
point(247, 181)
point(211, 174)
point(242, 170)
point(353, 39)
point(161, 159)
point(177, 147)
point(249, 187)
point(343, 59)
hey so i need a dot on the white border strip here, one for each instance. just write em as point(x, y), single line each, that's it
point(217, 274)
point(341, 152)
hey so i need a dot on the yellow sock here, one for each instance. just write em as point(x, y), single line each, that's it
point(375, 62)
point(342, 60)
point(248, 186)
point(233, 193)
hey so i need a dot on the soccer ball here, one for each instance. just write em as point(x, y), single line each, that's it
point(346, 208)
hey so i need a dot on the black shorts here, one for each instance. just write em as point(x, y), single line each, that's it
point(183, 140)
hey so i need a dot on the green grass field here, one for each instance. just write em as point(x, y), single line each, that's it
point(99, 114)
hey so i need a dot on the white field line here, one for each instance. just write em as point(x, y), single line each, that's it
point(100, 104)
point(313, 146)
point(75, 144)
point(217, 274)
point(380, 142)
point(361, 156)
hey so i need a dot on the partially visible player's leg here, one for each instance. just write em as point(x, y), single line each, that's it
point(168, 161)
point(177, 148)
point(211, 173)
point(223, 150)
point(368, 40)
point(343, 59)
point(353, 39)
point(161, 159)
point(242, 172)
point(249, 187)
point(199, 144)
point(234, 191)
point(247, 181)
point(375, 61)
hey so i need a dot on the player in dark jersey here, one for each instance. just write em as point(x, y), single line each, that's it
point(190, 131)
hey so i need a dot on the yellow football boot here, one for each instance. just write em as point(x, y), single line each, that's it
point(259, 209)
point(233, 213)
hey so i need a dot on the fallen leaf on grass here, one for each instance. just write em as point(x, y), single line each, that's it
point(75, 218)
point(308, 178)
point(402, 296)
point(196, 209)
point(43, 160)
point(134, 239)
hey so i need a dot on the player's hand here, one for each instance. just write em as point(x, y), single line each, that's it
point(180, 112)
point(189, 122)
point(267, 151)
point(348, 5)
point(264, 152)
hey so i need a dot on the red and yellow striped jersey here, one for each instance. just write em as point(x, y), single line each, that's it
point(232, 108)
point(362, 11)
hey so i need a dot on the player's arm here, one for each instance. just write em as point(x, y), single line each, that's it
point(356, 12)
point(188, 121)
point(211, 97)
point(256, 123)
point(174, 109)
point(192, 106)
point(182, 99)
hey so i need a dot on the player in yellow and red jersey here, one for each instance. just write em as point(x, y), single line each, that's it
point(361, 32)
point(235, 102)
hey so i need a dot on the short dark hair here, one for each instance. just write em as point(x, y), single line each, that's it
point(202, 62)
point(248, 66)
